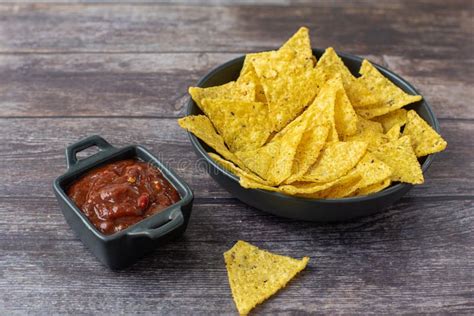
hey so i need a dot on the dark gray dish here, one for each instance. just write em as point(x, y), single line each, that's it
point(328, 210)
point(123, 248)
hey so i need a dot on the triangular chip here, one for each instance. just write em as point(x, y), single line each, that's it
point(372, 170)
point(250, 79)
point(299, 44)
point(393, 133)
point(344, 186)
point(373, 188)
point(244, 125)
point(308, 151)
point(397, 117)
point(228, 165)
point(424, 139)
point(331, 65)
point(274, 161)
point(288, 81)
point(372, 138)
point(364, 125)
point(244, 91)
point(344, 115)
point(203, 129)
point(255, 274)
point(401, 158)
point(389, 96)
point(335, 160)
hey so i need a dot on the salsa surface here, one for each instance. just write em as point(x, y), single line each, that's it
point(121, 194)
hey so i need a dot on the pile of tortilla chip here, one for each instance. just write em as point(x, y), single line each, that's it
point(255, 274)
point(305, 127)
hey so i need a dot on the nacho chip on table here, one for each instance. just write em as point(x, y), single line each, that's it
point(335, 160)
point(397, 117)
point(243, 125)
point(389, 96)
point(401, 158)
point(255, 274)
point(424, 139)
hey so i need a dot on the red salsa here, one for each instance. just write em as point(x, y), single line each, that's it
point(121, 194)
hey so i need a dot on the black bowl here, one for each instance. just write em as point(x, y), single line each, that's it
point(327, 210)
point(123, 248)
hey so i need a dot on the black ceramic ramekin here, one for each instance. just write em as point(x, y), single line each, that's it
point(123, 248)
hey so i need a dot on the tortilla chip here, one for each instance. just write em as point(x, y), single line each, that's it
point(255, 274)
point(244, 125)
point(232, 91)
point(397, 117)
point(331, 65)
point(372, 138)
point(389, 96)
point(401, 158)
point(203, 129)
point(393, 133)
point(228, 165)
point(299, 45)
point(308, 151)
point(424, 139)
point(250, 79)
point(274, 161)
point(364, 125)
point(372, 170)
point(345, 117)
point(335, 160)
point(338, 188)
point(374, 188)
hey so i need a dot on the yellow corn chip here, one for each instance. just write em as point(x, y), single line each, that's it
point(228, 165)
point(424, 139)
point(255, 274)
point(233, 91)
point(335, 160)
point(401, 158)
point(299, 45)
point(397, 117)
point(202, 128)
point(308, 151)
point(393, 133)
point(274, 161)
point(250, 79)
point(330, 66)
point(372, 138)
point(243, 125)
point(373, 171)
point(373, 188)
point(338, 188)
point(364, 125)
point(345, 117)
point(389, 96)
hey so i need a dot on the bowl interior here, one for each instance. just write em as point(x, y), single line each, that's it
point(230, 70)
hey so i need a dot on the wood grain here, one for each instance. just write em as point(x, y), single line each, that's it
point(155, 85)
point(27, 144)
point(122, 69)
point(406, 257)
point(404, 28)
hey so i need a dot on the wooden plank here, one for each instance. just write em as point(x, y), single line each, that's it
point(416, 256)
point(378, 28)
point(32, 153)
point(156, 84)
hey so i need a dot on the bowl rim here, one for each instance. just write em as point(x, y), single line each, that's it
point(385, 192)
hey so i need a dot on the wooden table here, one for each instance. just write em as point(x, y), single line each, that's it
point(122, 71)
